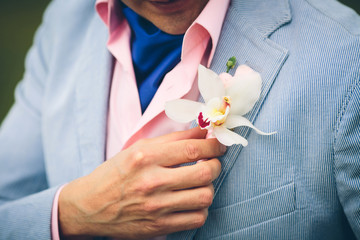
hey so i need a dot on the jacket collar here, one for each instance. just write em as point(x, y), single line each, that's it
point(266, 16)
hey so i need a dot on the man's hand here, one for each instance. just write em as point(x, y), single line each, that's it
point(140, 194)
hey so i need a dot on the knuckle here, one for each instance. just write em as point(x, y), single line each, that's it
point(138, 159)
point(205, 174)
point(151, 207)
point(155, 225)
point(192, 151)
point(149, 185)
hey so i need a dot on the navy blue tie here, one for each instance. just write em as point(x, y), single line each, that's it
point(154, 53)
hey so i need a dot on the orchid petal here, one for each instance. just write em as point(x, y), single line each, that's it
point(243, 70)
point(210, 85)
point(228, 138)
point(226, 79)
point(182, 110)
point(233, 121)
point(244, 90)
point(212, 104)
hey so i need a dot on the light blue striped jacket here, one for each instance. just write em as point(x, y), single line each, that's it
point(302, 183)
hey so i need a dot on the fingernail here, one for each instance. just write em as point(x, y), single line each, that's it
point(223, 148)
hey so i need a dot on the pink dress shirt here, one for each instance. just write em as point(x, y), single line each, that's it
point(126, 123)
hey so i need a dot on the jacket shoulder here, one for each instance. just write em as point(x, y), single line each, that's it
point(65, 12)
point(338, 13)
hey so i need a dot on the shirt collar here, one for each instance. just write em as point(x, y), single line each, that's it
point(211, 26)
point(210, 23)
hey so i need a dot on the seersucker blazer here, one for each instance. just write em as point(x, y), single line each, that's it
point(301, 183)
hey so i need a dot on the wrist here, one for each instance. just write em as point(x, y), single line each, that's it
point(69, 217)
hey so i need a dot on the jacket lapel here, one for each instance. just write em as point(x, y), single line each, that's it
point(92, 90)
point(245, 35)
point(253, 48)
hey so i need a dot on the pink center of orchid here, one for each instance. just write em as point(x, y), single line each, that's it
point(203, 123)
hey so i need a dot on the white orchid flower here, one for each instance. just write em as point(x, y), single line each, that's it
point(227, 99)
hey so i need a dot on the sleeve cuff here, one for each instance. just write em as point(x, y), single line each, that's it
point(55, 235)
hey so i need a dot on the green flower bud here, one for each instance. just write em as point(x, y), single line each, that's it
point(230, 64)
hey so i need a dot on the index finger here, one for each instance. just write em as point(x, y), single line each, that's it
point(190, 150)
point(193, 133)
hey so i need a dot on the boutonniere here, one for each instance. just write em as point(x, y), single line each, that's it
point(227, 99)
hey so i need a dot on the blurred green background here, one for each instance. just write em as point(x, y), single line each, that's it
point(18, 21)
